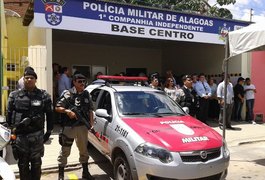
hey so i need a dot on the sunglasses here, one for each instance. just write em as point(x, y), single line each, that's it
point(81, 81)
point(29, 77)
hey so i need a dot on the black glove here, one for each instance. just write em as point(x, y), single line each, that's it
point(46, 136)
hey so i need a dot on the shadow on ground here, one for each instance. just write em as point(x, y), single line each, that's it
point(101, 161)
point(260, 162)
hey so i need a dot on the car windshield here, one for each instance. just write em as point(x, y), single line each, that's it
point(142, 103)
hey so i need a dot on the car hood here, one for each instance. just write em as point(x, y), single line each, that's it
point(176, 133)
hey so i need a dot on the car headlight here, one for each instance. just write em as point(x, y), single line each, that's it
point(226, 150)
point(156, 152)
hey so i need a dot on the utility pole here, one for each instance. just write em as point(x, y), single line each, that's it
point(251, 14)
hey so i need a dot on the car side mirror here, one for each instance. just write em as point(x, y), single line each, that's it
point(103, 114)
point(186, 110)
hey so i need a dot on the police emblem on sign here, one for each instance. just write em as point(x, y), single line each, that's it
point(53, 11)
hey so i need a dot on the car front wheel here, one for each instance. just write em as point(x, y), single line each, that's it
point(122, 169)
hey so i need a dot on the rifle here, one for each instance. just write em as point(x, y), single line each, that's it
point(81, 118)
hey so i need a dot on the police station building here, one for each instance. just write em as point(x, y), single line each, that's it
point(92, 36)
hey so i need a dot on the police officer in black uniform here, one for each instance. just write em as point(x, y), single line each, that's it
point(187, 96)
point(76, 106)
point(27, 108)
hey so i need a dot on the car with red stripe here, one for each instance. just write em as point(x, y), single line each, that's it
point(147, 135)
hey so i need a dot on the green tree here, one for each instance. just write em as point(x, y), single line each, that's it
point(191, 6)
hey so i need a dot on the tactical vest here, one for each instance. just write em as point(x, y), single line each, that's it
point(28, 105)
point(81, 103)
point(190, 100)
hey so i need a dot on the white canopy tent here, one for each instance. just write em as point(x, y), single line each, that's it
point(250, 38)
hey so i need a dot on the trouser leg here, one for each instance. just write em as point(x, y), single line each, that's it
point(250, 106)
point(229, 110)
point(221, 115)
point(238, 109)
point(203, 109)
point(229, 114)
point(251, 109)
point(68, 138)
point(36, 168)
point(81, 143)
point(248, 118)
point(23, 165)
point(61, 173)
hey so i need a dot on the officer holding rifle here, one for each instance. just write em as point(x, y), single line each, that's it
point(76, 107)
point(27, 109)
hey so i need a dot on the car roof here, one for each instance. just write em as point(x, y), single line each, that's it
point(120, 88)
point(132, 88)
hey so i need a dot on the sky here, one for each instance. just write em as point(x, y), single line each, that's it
point(242, 8)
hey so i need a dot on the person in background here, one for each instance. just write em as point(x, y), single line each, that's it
point(122, 74)
point(56, 67)
point(28, 109)
point(213, 100)
point(187, 96)
point(64, 82)
point(194, 79)
point(143, 83)
point(76, 106)
point(96, 80)
point(203, 90)
point(56, 77)
point(169, 74)
point(229, 102)
point(250, 91)
point(155, 83)
point(239, 98)
point(170, 89)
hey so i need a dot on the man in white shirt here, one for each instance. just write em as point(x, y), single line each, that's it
point(203, 90)
point(250, 91)
point(229, 102)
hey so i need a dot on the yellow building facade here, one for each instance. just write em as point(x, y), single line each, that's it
point(14, 53)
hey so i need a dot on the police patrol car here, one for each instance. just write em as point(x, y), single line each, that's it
point(146, 135)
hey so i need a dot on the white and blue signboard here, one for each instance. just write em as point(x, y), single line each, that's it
point(125, 20)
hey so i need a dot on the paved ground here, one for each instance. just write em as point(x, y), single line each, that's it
point(247, 161)
point(245, 133)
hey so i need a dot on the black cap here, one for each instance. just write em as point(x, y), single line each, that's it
point(30, 72)
point(28, 68)
point(240, 79)
point(78, 76)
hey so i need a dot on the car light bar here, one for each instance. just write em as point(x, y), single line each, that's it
point(122, 78)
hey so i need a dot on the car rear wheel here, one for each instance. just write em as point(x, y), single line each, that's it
point(122, 169)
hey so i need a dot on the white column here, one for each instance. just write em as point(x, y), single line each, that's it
point(40, 55)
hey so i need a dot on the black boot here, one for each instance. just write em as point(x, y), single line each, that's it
point(61, 173)
point(86, 174)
